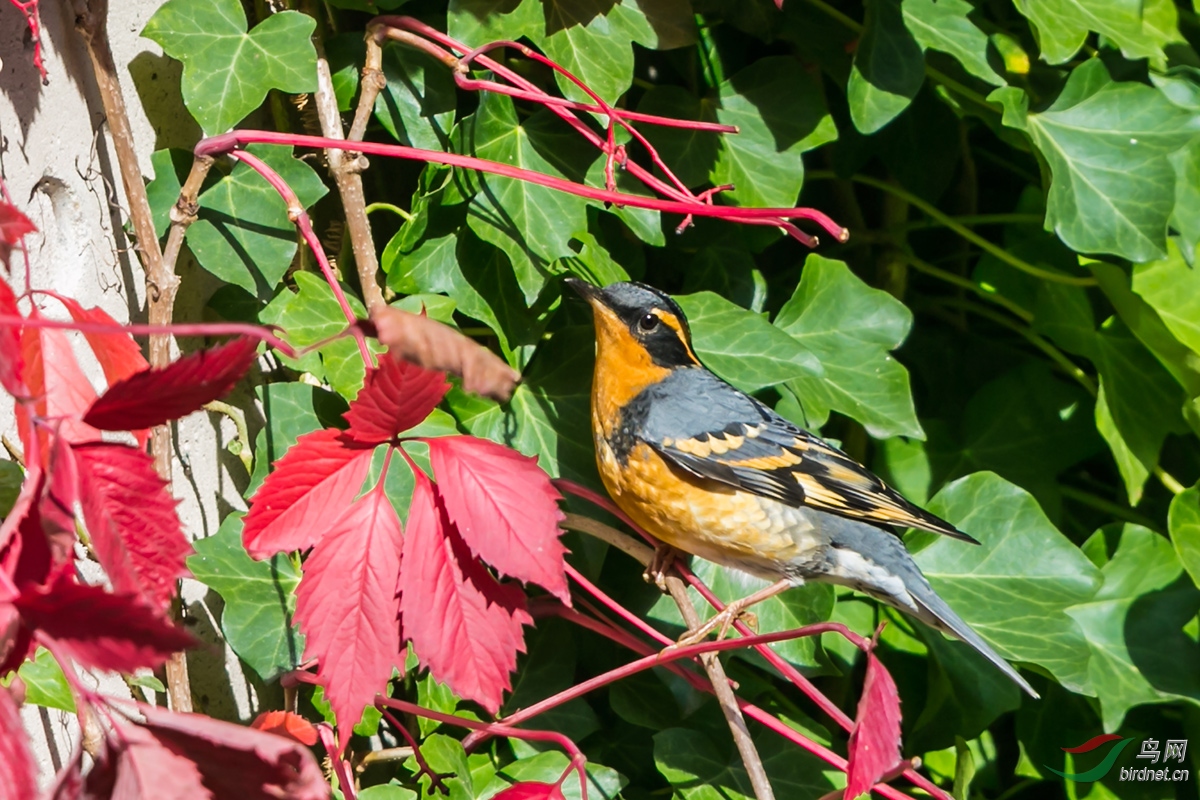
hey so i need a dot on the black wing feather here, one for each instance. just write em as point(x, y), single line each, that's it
point(708, 428)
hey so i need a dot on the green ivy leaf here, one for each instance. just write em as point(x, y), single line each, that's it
point(1107, 145)
point(944, 25)
point(590, 45)
point(1141, 400)
point(657, 24)
point(850, 328)
point(531, 224)
point(1183, 520)
point(387, 791)
point(243, 235)
point(477, 22)
point(966, 694)
point(227, 71)
point(417, 105)
point(743, 347)
point(11, 478)
point(1185, 218)
point(691, 154)
point(1027, 425)
point(311, 315)
point(780, 113)
point(548, 667)
point(549, 414)
point(1015, 587)
point(259, 599)
point(45, 684)
point(1172, 288)
point(163, 191)
point(1133, 625)
point(888, 70)
point(698, 770)
point(1063, 25)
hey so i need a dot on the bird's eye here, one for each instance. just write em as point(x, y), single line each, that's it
point(648, 323)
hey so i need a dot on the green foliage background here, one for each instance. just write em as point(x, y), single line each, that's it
point(1011, 336)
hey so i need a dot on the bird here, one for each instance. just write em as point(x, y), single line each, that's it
point(711, 471)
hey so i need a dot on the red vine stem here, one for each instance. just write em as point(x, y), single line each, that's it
point(403, 29)
point(299, 217)
point(496, 729)
point(615, 607)
point(325, 731)
point(178, 329)
point(232, 141)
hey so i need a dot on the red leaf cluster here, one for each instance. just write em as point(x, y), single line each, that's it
point(875, 740)
point(371, 584)
point(192, 757)
point(531, 790)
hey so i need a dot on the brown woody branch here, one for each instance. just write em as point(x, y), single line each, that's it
point(346, 169)
point(91, 21)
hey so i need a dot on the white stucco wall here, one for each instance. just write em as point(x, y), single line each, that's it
point(60, 167)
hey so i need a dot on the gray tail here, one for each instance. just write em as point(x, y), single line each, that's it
point(938, 615)
point(876, 562)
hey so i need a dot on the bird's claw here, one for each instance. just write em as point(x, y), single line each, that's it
point(663, 560)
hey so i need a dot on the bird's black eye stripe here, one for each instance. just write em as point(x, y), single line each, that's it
point(648, 323)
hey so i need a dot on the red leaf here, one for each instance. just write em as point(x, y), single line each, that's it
point(347, 608)
point(12, 365)
point(18, 773)
point(530, 790)
point(397, 396)
point(285, 723)
point(135, 765)
point(68, 783)
point(505, 508)
point(464, 625)
point(130, 515)
point(154, 396)
point(58, 502)
point(60, 389)
point(314, 482)
point(99, 629)
point(118, 354)
point(875, 741)
point(13, 226)
point(236, 761)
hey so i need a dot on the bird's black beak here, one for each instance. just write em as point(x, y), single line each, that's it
point(593, 294)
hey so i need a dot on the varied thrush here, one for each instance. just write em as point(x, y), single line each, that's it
point(714, 472)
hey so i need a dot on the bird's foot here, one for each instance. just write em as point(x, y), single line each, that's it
point(664, 559)
point(720, 623)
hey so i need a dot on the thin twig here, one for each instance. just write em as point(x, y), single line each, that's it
point(161, 284)
point(346, 169)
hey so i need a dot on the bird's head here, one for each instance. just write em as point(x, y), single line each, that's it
point(638, 326)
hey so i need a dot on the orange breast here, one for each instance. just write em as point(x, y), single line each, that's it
point(705, 518)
